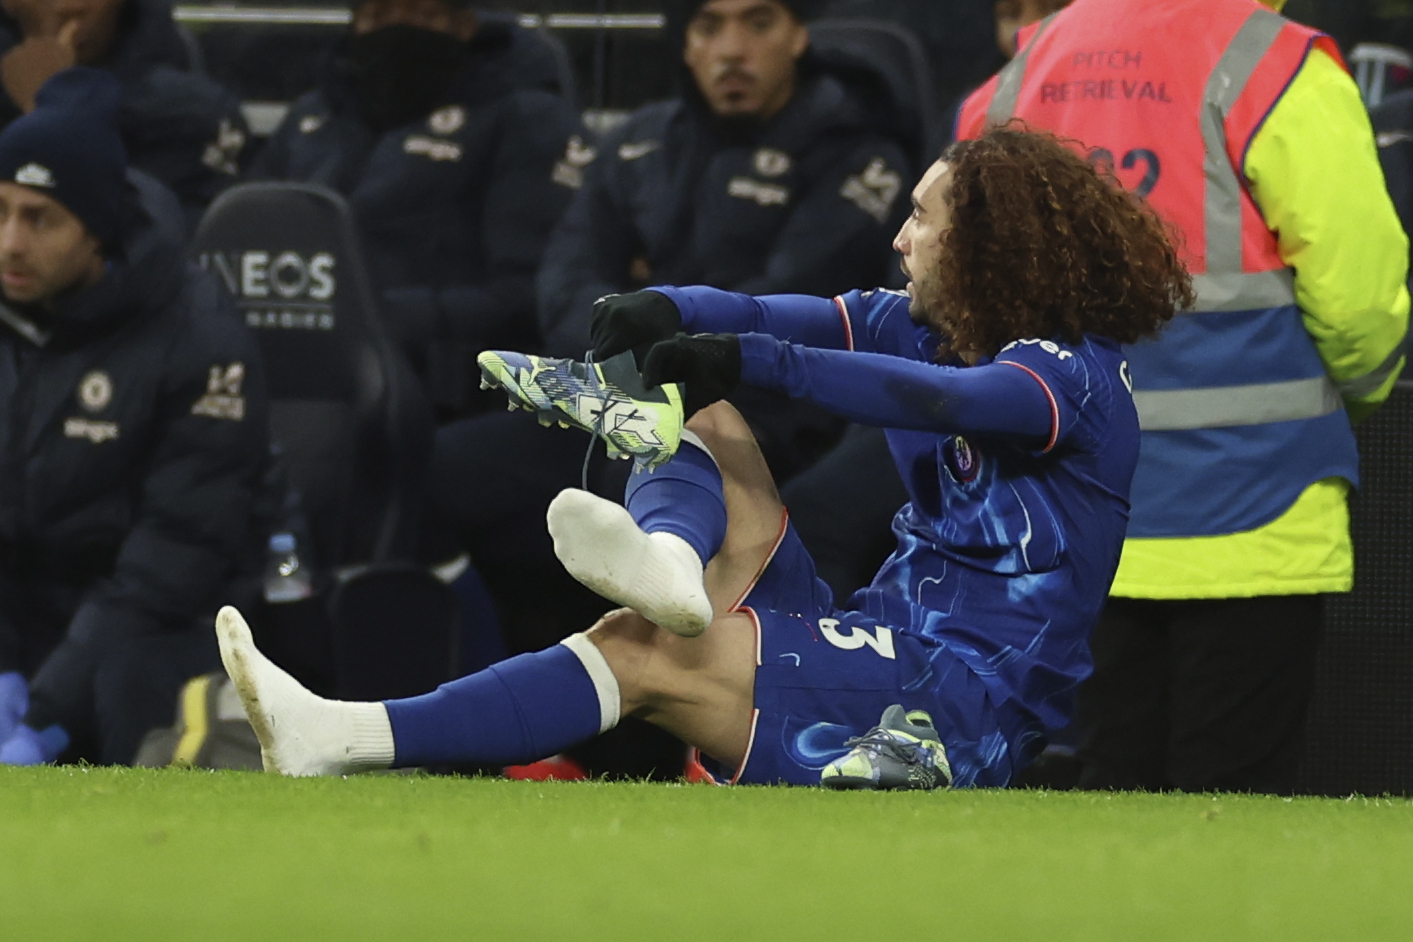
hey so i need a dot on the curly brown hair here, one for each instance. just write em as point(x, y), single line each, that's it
point(1042, 244)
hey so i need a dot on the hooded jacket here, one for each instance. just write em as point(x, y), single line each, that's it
point(178, 125)
point(807, 203)
point(133, 439)
point(453, 208)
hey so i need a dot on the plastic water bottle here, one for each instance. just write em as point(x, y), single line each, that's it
point(285, 579)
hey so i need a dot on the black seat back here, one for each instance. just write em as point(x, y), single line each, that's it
point(895, 53)
point(396, 633)
point(345, 409)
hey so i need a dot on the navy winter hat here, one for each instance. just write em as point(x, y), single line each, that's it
point(68, 148)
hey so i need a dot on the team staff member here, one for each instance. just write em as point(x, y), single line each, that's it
point(1245, 131)
point(178, 125)
point(774, 171)
point(132, 441)
point(455, 171)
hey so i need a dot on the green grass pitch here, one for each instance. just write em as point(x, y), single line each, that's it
point(117, 854)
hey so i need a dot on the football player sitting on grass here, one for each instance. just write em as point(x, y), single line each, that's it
point(1005, 396)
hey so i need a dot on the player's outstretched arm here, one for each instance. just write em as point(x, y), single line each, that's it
point(637, 320)
point(1000, 399)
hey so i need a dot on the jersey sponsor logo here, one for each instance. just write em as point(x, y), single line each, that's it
point(962, 460)
point(95, 432)
point(32, 174)
point(569, 172)
point(637, 149)
point(763, 194)
point(95, 391)
point(881, 641)
point(1126, 376)
point(310, 123)
point(420, 145)
point(223, 399)
point(770, 163)
point(1049, 346)
point(447, 120)
point(875, 190)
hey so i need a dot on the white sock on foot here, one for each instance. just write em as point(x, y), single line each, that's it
point(658, 575)
point(300, 734)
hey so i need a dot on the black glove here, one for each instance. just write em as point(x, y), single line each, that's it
point(632, 322)
point(708, 366)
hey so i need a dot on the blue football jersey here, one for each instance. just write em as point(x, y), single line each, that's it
point(1018, 469)
point(1010, 546)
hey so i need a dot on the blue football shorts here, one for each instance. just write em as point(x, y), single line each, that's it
point(825, 675)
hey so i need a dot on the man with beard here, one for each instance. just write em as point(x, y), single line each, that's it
point(778, 169)
point(133, 441)
point(177, 125)
point(454, 171)
point(1006, 400)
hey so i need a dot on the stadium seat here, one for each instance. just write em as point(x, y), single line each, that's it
point(896, 52)
point(195, 58)
point(350, 418)
point(375, 663)
point(1380, 70)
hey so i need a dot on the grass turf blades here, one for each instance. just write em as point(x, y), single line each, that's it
point(120, 853)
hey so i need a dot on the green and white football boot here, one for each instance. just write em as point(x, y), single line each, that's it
point(902, 752)
point(607, 399)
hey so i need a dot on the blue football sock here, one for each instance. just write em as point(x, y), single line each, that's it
point(683, 497)
point(518, 711)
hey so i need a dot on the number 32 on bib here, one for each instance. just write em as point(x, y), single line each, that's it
point(882, 643)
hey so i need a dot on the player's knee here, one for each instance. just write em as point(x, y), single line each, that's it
point(719, 424)
point(627, 641)
point(655, 667)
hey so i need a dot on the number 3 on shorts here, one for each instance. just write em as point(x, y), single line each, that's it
point(858, 637)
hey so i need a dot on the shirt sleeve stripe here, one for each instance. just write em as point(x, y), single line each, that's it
point(848, 327)
point(1054, 406)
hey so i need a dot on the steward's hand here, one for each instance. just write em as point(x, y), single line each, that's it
point(708, 364)
point(632, 322)
point(26, 67)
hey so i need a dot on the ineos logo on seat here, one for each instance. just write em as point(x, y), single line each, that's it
point(279, 290)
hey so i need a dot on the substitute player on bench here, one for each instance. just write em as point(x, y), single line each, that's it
point(1008, 411)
